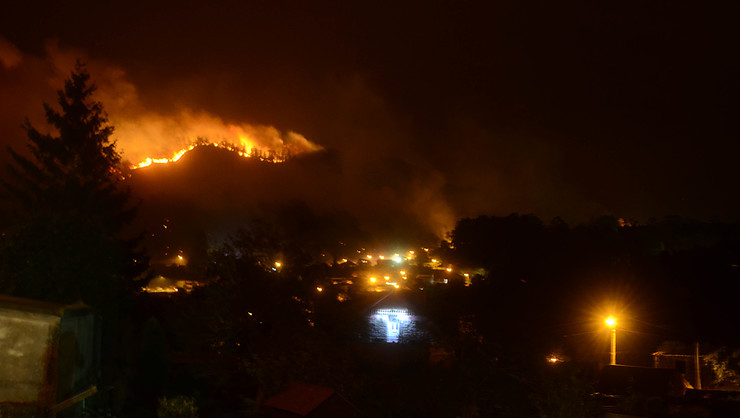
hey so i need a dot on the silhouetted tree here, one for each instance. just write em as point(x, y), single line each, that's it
point(69, 207)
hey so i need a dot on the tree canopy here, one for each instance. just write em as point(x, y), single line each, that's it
point(68, 206)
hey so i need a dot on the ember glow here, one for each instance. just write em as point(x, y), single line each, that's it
point(153, 138)
point(242, 152)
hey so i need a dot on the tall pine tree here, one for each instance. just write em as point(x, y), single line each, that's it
point(64, 240)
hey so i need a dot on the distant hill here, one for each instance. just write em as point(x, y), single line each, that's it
point(210, 192)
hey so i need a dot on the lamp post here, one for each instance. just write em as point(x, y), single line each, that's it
point(611, 322)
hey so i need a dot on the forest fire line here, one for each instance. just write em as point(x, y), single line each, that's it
point(269, 156)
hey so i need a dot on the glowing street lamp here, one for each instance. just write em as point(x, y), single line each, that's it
point(611, 322)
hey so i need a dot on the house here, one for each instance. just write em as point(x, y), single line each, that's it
point(305, 400)
point(688, 362)
point(49, 355)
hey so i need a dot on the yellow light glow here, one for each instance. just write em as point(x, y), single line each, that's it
point(611, 321)
point(382, 257)
point(369, 257)
point(449, 269)
point(372, 279)
point(278, 264)
point(434, 260)
point(319, 288)
point(387, 277)
point(403, 273)
point(396, 285)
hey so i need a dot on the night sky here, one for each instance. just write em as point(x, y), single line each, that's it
point(429, 110)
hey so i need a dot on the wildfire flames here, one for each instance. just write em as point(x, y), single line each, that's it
point(241, 151)
point(142, 135)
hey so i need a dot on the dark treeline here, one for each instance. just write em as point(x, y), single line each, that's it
point(676, 276)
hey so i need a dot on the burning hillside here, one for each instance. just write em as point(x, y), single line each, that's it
point(254, 152)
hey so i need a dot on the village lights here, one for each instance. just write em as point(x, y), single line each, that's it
point(611, 322)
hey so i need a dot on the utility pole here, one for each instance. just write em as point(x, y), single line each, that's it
point(614, 347)
point(611, 322)
point(697, 365)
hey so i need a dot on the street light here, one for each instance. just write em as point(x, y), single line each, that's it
point(611, 322)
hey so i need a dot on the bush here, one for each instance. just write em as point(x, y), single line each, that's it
point(177, 407)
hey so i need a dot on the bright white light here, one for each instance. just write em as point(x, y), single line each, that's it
point(397, 258)
point(394, 320)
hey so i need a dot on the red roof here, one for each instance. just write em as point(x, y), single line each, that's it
point(300, 398)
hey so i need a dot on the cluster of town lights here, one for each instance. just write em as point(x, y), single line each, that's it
point(393, 275)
